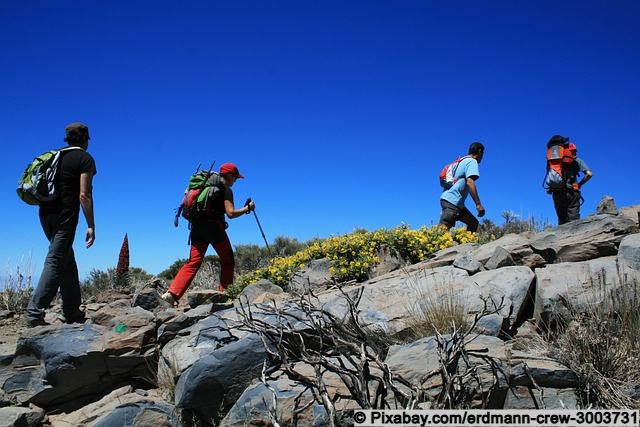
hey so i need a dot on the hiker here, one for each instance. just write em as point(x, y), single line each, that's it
point(59, 219)
point(452, 199)
point(210, 229)
point(567, 200)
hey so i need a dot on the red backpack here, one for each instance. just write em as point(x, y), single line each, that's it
point(559, 161)
point(447, 175)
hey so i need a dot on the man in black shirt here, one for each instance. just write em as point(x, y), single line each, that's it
point(59, 219)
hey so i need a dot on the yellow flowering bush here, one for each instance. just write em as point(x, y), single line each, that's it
point(354, 255)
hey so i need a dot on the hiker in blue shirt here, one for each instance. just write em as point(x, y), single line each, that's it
point(452, 199)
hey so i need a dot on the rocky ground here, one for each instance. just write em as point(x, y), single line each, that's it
point(10, 330)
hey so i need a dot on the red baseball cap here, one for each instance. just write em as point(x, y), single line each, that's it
point(230, 169)
point(571, 146)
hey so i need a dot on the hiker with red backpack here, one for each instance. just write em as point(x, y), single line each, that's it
point(563, 170)
point(459, 180)
point(209, 228)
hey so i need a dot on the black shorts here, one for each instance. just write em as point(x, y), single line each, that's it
point(451, 213)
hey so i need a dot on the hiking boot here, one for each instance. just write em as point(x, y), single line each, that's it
point(168, 297)
point(77, 317)
point(32, 323)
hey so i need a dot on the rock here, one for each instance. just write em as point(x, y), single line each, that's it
point(147, 298)
point(392, 302)
point(588, 238)
point(500, 258)
point(607, 206)
point(122, 407)
point(631, 212)
point(218, 379)
point(389, 261)
point(465, 262)
point(261, 291)
point(203, 296)
point(628, 259)
point(315, 275)
point(17, 416)
point(137, 362)
point(577, 286)
point(55, 365)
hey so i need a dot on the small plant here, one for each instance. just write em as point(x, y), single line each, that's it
point(121, 278)
point(17, 288)
point(601, 345)
point(99, 282)
point(441, 309)
point(513, 223)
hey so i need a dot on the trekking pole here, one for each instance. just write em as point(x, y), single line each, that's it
point(259, 226)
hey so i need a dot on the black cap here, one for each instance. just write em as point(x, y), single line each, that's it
point(77, 129)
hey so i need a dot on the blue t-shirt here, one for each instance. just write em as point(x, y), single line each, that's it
point(459, 191)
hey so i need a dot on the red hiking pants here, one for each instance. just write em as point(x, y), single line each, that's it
point(198, 250)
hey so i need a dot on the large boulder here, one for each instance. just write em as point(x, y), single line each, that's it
point(123, 407)
point(629, 259)
point(54, 365)
point(392, 304)
point(588, 238)
point(513, 368)
point(572, 287)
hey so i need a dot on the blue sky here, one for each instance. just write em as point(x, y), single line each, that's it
point(339, 113)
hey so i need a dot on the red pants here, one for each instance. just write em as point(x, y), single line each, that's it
point(188, 271)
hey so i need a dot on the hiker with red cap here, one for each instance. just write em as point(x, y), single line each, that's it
point(568, 198)
point(211, 229)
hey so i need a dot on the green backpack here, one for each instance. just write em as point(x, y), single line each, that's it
point(39, 183)
point(203, 189)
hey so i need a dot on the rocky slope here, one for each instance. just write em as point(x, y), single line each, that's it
point(140, 362)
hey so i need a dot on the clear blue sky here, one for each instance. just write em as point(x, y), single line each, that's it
point(339, 113)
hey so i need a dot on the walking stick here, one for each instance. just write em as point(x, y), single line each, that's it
point(259, 226)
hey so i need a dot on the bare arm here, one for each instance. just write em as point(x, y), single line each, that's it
point(473, 191)
point(587, 177)
point(86, 201)
point(231, 211)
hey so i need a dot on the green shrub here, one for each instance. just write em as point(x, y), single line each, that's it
point(355, 254)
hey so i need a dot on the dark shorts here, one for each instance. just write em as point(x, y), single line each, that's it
point(451, 213)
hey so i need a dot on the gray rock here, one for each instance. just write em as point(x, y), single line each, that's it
point(16, 416)
point(389, 261)
point(576, 286)
point(521, 397)
point(607, 206)
point(315, 275)
point(203, 296)
point(629, 252)
point(121, 407)
point(631, 212)
point(584, 239)
point(218, 379)
point(467, 263)
point(57, 364)
point(629, 260)
point(500, 258)
point(258, 290)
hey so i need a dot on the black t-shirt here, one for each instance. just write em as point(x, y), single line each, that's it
point(73, 163)
point(217, 207)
